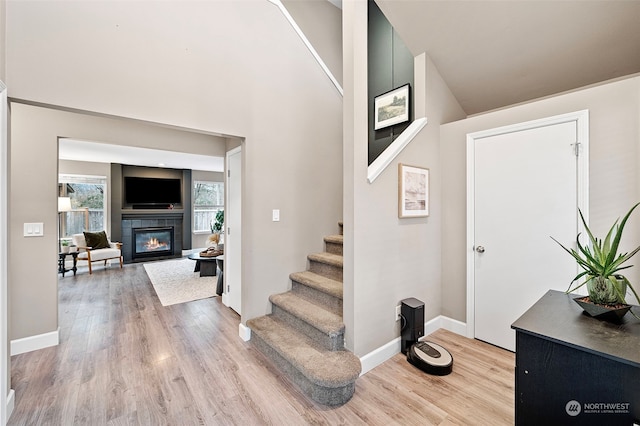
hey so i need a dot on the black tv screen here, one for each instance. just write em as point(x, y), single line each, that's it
point(150, 191)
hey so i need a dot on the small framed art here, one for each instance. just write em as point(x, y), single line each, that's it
point(392, 107)
point(413, 191)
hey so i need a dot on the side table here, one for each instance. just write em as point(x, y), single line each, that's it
point(61, 260)
point(220, 283)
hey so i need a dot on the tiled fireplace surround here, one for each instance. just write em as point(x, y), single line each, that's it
point(150, 220)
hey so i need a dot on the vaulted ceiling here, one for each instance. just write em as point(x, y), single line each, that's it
point(493, 54)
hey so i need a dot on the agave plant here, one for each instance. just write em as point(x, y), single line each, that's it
point(601, 265)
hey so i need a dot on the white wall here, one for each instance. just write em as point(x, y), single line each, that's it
point(228, 67)
point(614, 118)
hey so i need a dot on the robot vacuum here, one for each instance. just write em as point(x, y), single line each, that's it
point(430, 358)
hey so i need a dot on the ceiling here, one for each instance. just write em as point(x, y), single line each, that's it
point(72, 149)
point(494, 54)
point(491, 54)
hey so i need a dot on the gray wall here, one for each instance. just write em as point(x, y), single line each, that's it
point(33, 299)
point(192, 65)
point(3, 45)
point(614, 121)
point(321, 23)
point(388, 259)
point(104, 169)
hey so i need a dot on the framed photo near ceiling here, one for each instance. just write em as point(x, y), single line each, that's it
point(413, 191)
point(392, 107)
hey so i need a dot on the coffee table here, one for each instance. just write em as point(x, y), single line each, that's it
point(205, 265)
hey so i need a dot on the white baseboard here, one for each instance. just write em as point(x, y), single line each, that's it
point(11, 402)
point(33, 343)
point(225, 299)
point(244, 332)
point(387, 351)
point(447, 323)
point(380, 355)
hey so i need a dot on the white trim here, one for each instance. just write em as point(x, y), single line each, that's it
point(392, 151)
point(226, 299)
point(11, 403)
point(306, 42)
point(234, 150)
point(380, 355)
point(33, 343)
point(4, 207)
point(581, 118)
point(244, 332)
point(446, 323)
point(80, 178)
point(389, 350)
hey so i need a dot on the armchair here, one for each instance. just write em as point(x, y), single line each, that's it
point(96, 246)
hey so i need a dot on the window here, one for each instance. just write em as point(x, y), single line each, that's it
point(208, 199)
point(88, 203)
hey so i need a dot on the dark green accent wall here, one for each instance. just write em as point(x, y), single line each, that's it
point(390, 66)
point(187, 190)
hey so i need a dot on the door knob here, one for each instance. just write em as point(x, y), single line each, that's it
point(480, 249)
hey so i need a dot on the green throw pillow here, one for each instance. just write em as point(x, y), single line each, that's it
point(96, 240)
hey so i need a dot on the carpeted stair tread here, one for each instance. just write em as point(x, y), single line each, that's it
point(332, 369)
point(327, 258)
point(310, 313)
point(318, 282)
point(336, 239)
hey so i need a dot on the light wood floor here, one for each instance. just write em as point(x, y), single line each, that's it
point(124, 359)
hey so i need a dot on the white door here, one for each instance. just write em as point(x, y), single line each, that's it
point(525, 190)
point(233, 238)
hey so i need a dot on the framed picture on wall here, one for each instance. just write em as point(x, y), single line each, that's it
point(413, 191)
point(392, 107)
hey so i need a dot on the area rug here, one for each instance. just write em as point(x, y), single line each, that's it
point(175, 282)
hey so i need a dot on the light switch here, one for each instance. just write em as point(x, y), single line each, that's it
point(34, 229)
point(276, 215)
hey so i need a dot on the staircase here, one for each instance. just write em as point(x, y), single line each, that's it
point(304, 334)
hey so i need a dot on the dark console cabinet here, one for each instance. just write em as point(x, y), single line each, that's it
point(572, 369)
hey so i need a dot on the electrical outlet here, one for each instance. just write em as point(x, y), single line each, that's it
point(398, 313)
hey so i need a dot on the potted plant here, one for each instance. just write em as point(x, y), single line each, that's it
point(218, 224)
point(217, 228)
point(65, 246)
point(601, 265)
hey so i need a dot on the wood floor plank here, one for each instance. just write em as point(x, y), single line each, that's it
point(124, 359)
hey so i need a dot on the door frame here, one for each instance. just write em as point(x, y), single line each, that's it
point(581, 118)
point(6, 394)
point(225, 296)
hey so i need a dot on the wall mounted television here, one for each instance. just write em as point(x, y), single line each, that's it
point(145, 192)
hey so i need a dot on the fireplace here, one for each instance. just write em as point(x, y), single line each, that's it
point(153, 242)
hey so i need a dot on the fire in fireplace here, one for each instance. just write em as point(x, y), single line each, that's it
point(152, 242)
